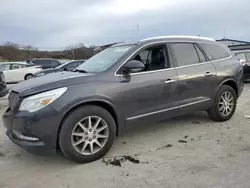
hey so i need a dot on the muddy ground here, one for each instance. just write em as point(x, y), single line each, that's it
point(190, 151)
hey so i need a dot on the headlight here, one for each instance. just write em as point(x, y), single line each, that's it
point(39, 101)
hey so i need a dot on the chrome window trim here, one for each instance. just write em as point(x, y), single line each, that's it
point(165, 110)
point(160, 42)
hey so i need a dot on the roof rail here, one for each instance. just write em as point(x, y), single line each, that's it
point(178, 36)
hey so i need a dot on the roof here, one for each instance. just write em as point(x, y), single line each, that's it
point(178, 37)
point(232, 40)
point(23, 63)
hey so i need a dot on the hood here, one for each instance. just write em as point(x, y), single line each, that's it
point(51, 81)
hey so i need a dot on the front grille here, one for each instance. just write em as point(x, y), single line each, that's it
point(13, 100)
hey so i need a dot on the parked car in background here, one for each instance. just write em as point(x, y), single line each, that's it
point(16, 72)
point(82, 112)
point(68, 66)
point(3, 87)
point(244, 57)
point(45, 63)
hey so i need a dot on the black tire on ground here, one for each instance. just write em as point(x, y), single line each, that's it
point(214, 112)
point(28, 76)
point(68, 125)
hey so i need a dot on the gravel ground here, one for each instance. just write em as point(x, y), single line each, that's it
point(190, 151)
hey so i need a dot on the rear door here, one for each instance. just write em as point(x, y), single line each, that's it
point(196, 77)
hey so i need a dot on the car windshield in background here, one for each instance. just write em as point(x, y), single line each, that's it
point(105, 59)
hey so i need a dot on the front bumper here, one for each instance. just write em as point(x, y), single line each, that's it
point(33, 131)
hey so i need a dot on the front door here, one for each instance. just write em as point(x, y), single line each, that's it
point(197, 77)
point(150, 95)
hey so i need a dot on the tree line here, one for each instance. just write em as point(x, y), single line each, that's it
point(14, 52)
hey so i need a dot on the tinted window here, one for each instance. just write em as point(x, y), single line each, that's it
point(54, 63)
point(200, 54)
point(185, 54)
point(41, 62)
point(248, 56)
point(4, 67)
point(214, 51)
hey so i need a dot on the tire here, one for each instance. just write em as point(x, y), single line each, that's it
point(28, 76)
point(70, 124)
point(214, 112)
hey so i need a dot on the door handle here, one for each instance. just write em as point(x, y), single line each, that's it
point(169, 81)
point(209, 74)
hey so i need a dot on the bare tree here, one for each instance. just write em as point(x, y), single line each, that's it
point(11, 51)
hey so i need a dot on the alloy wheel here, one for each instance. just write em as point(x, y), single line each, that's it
point(89, 135)
point(226, 103)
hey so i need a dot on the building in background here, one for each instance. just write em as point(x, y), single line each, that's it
point(235, 45)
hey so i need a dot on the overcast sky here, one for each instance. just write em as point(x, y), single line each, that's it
point(55, 24)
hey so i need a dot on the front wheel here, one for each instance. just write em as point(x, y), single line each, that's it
point(224, 104)
point(87, 134)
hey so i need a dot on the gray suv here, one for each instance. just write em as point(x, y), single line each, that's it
point(82, 112)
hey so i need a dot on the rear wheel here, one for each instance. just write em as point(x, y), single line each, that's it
point(28, 76)
point(224, 104)
point(87, 134)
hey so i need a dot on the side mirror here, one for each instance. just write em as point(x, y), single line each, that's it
point(134, 66)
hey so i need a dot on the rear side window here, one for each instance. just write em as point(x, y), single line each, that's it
point(214, 51)
point(185, 54)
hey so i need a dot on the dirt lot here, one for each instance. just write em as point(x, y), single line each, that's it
point(190, 151)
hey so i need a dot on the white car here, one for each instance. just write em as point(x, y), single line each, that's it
point(16, 72)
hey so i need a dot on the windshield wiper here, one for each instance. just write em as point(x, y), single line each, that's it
point(81, 71)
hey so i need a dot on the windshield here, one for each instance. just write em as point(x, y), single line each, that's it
point(105, 59)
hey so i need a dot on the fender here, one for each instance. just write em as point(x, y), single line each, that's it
point(119, 122)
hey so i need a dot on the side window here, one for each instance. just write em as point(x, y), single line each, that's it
point(200, 54)
point(5, 67)
point(241, 56)
point(54, 63)
point(36, 62)
point(185, 54)
point(154, 58)
point(214, 51)
point(144, 55)
point(248, 56)
point(16, 66)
